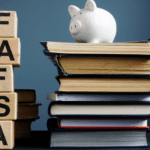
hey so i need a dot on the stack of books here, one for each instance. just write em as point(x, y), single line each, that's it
point(103, 100)
point(27, 112)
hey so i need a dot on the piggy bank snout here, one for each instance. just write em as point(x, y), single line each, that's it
point(75, 27)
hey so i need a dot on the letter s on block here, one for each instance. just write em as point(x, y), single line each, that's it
point(4, 106)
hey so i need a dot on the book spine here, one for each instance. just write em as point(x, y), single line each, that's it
point(55, 60)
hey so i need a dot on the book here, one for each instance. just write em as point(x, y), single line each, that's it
point(96, 138)
point(28, 111)
point(103, 123)
point(98, 96)
point(26, 95)
point(23, 128)
point(88, 64)
point(98, 123)
point(104, 84)
point(98, 109)
point(141, 48)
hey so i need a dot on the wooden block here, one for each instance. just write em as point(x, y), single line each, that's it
point(8, 106)
point(6, 78)
point(10, 51)
point(8, 24)
point(7, 136)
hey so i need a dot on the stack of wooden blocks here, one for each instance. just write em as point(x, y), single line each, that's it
point(9, 58)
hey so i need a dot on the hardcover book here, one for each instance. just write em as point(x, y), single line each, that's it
point(98, 123)
point(28, 111)
point(99, 83)
point(98, 109)
point(91, 138)
point(98, 96)
point(26, 95)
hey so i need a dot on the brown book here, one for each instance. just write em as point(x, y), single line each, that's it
point(104, 84)
point(26, 95)
point(102, 65)
point(28, 111)
point(23, 128)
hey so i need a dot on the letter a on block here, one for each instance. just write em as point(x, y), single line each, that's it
point(6, 78)
point(10, 51)
point(8, 106)
point(7, 138)
point(8, 24)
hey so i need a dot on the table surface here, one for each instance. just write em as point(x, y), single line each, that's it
point(40, 141)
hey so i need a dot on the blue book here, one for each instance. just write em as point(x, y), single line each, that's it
point(95, 138)
point(98, 96)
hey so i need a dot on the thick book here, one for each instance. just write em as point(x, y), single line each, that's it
point(108, 83)
point(26, 95)
point(99, 58)
point(28, 111)
point(87, 64)
point(98, 123)
point(98, 96)
point(96, 138)
point(98, 109)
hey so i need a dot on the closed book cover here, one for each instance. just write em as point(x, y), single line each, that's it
point(99, 109)
point(134, 48)
point(98, 96)
point(88, 64)
point(104, 83)
point(28, 111)
point(26, 95)
point(98, 123)
point(96, 138)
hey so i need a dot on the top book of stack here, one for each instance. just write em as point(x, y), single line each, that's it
point(100, 58)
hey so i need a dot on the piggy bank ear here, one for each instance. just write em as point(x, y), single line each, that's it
point(90, 5)
point(73, 10)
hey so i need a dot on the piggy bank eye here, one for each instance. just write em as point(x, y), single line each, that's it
point(74, 15)
point(80, 12)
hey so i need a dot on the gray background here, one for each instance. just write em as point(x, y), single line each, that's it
point(48, 20)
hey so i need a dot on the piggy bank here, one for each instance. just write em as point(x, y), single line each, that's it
point(92, 24)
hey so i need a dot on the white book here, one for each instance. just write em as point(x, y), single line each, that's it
point(59, 108)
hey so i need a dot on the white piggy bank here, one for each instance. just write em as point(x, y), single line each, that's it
point(92, 24)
